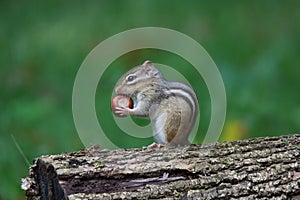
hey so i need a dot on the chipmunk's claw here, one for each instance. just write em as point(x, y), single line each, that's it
point(122, 112)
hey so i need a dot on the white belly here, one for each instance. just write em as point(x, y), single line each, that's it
point(158, 125)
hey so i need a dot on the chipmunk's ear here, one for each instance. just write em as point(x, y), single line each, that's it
point(147, 64)
point(151, 70)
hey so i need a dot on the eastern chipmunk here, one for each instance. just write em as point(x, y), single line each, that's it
point(171, 106)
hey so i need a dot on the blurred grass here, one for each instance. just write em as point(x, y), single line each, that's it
point(255, 44)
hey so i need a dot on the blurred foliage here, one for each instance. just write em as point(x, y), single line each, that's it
point(255, 44)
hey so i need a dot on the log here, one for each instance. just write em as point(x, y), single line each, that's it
point(264, 168)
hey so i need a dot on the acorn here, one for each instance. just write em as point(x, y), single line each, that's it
point(121, 101)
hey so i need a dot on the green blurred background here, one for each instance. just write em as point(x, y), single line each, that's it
point(255, 44)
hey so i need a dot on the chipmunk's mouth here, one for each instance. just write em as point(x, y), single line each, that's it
point(117, 92)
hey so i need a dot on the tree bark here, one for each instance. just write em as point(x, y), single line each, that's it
point(264, 168)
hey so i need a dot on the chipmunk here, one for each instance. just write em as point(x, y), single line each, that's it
point(171, 106)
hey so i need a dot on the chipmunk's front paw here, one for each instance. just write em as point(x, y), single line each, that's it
point(122, 112)
point(121, 105)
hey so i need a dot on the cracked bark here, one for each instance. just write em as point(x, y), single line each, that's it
point(265, 168)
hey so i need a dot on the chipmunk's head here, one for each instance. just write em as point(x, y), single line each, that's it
point(139, 77)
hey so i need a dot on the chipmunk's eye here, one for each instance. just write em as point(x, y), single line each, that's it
point(130, 78)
